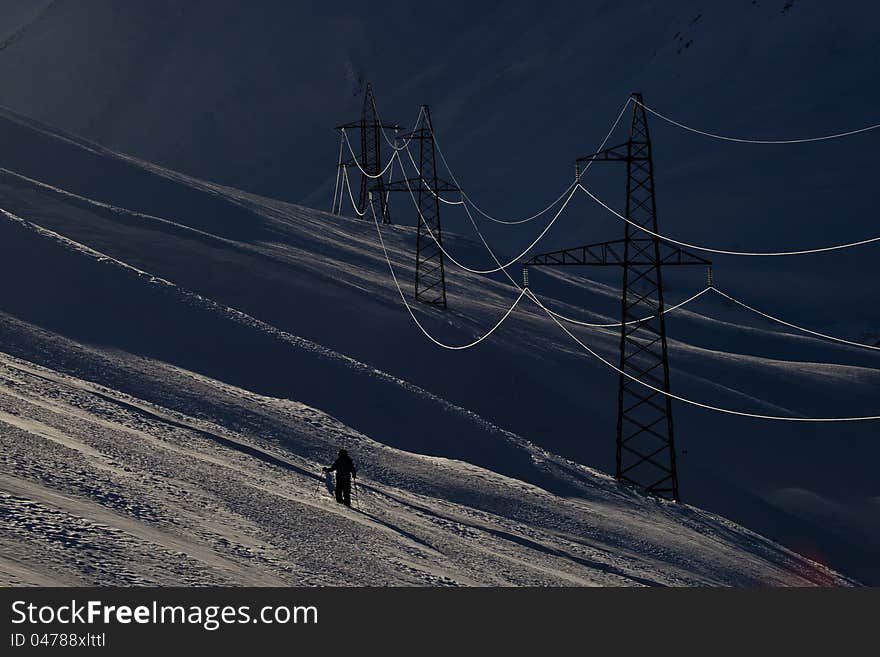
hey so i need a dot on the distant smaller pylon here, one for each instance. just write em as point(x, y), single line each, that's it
point(370, 159)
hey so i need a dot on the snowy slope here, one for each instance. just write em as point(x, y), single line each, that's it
point(292, 308)
point(99, 487)
point(102, 487)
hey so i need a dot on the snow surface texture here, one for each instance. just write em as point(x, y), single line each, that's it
point(180, 358)
point(99, 487)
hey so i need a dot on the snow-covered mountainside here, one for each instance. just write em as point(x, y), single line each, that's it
point(247, 95)
point(179, 357)
point(100, 487)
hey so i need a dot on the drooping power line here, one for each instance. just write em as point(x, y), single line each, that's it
point(709, 249)
point(743, 140)
point(719, 409)
point(802, 329)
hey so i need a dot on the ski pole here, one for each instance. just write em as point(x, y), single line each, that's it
point(318, 487)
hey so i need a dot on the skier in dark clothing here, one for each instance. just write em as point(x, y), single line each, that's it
point(344, 468)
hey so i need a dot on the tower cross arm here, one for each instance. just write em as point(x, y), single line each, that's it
point(614, 253)
point(357, 124)
point(619, 153)
point(415, 183)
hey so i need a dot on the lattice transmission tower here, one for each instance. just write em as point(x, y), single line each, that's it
point(426, 186)
point(370, 158)
point(645, 455)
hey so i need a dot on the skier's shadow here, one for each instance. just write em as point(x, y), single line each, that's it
point(398, 530)
point(393, 528)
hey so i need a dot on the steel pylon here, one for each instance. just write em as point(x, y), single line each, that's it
point(430, 281)
point(645, 455)
point(370, 128)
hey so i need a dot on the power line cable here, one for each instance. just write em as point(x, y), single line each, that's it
point(742, 140)
point(794, 326)
point(524, 291)
point(336, 193)
point(500, 266)
point(465, 197)
point(350, 195)
point(728, 411)
point(393, 145)
point(569, 320)
point(410, 310)
point(358, 164)
point(708, 249)
point(427, 184)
